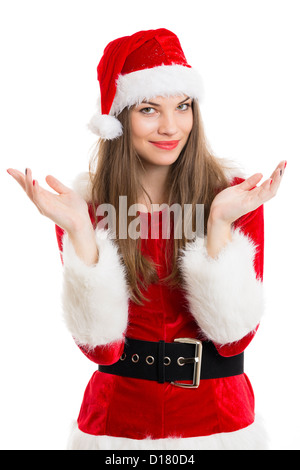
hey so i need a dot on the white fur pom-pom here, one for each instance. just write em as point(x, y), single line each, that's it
point(105, 126)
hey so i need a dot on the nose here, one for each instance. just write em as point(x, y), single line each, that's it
point(167, 124)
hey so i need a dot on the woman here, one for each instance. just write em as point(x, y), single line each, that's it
point(166, 319)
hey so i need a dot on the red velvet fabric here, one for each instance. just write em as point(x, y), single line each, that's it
point(127, 54)
point(135, 408)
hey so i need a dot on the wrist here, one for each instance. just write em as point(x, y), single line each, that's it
point(218, 235)
point(216, 217)
point(80, 228)
point(218, 225)
point(84, 242)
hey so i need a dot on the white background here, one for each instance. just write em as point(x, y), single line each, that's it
point(248, 55)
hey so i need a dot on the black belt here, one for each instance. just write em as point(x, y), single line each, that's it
point(185, 359)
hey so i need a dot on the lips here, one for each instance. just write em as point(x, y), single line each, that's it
point(166, 145)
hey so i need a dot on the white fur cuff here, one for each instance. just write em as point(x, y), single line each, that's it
point(95, 298)
point(224, 295)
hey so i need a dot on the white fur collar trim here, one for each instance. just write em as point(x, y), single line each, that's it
point(82, 183)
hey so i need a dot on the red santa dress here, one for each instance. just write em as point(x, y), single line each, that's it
point(221, 301)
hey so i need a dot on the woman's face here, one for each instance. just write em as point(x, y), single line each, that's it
point(161, 127)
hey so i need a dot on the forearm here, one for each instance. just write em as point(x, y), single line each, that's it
point(84, 243)
point(94, 294)
point(218, 235)
point(224, 293)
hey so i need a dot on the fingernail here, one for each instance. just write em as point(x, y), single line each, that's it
point(280, 172)
point(271, 181)
point(25, 171)
point(33, 182)
point(285, 164)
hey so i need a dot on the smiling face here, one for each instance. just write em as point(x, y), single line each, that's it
point(160, 128)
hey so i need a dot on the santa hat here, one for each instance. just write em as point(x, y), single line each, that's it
point(136, 68)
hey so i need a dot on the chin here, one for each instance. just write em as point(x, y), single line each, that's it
point(161, 158)
point(162, 161)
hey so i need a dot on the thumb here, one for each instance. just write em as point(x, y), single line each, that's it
point(57, 185)
point(251, 182)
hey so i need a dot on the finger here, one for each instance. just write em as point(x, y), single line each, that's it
point(28, 183)
point(276, 180)
point(277, 177)
point(57, 185)
point(250, 182)
point(269, 187)
point(36, 193)
point(18, 176)
point(281, 166)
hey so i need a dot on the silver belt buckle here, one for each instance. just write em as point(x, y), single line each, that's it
point(188, 360)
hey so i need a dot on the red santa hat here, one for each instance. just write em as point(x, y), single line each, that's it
point(139, 67)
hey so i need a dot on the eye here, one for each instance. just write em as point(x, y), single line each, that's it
point(147, 110)
point(183, 107)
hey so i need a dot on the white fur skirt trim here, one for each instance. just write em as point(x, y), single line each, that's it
point(253, 437)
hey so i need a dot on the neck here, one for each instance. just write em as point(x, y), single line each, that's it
point(154, 181)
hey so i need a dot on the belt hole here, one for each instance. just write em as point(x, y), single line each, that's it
point(150, 360)
point(135, 358)
point(179, 361)
point(167, 361)
point(123, 357)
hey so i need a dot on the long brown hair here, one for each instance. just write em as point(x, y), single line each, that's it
point(194, 178)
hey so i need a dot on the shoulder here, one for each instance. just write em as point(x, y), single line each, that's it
point(82, 185)
point(233, 171)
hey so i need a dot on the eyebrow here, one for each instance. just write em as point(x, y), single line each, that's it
point(156, 104)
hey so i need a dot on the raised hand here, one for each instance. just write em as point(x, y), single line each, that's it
point(66, 208)
point(235, 201)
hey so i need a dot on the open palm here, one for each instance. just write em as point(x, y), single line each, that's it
point(235, 201)
point(67, 209)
